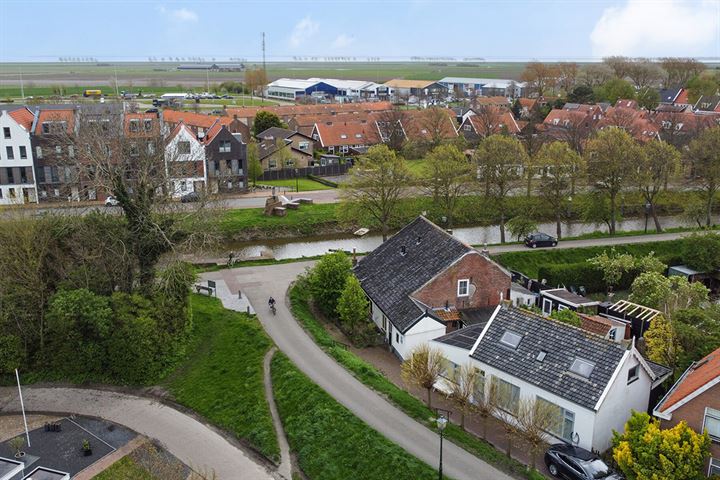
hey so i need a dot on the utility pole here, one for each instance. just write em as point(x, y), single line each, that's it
point(117, 92)
point(22, 407)
point(264, 65)
point(22, 87)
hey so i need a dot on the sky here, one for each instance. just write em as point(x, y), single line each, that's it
point(513, 30)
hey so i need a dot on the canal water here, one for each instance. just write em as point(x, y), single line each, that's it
point(317, 245)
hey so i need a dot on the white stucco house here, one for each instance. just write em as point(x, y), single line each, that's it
point(185, 161)
point(17, 176)
point(591, 382)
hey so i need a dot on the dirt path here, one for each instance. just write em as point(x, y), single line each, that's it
point(285, 467)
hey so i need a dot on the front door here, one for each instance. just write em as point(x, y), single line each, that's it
point(390, 325)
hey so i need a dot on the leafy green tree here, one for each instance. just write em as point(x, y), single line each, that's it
point(698, 333)
point(79, 324)
point(646, 452)
point(375, 186)
point(11, 353)
point(701, 85)
point(566, 316)
point(659, 163)
point(353, 310)
point(520, 226)
point(326, 280)
point(516, 108)
point(615, 89)
point(667, 294)
point(613, 265)
point(702, 252)
point(661, 342)
point(264, 120)
point(695, 211)
point(560, 165)
point(446, 177)
point(255, 169)
point(500, 159)
point(581, 94)
point(704, 155)
point(648, 98)
point(612, 158)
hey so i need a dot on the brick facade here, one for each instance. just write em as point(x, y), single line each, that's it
point(488, 284)
point(693, 413)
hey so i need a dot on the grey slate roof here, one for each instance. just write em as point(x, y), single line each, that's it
point(463, 338)
point(563, 343)
point(668, 95)
point(275, 133)
point(389, 278)
point(659, 370)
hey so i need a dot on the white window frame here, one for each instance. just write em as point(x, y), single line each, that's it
point(714, 463)
point(636, 376)
point(565, 416)
point(466, 282)
point(715, 415)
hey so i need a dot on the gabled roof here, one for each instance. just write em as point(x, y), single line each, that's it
point(179, 128)
point(417, 124)
point(23, 117)
point(528, 103)
point(566, 118)
point(212, 132)
point(670, 95)
point(401, 83)
point(562, 344)
point(389, 277)
point(193, 119)
point(463, 338)
point(708, 103)
point(497, 101)
point(66, 115)
point(274, 133)
point(697, 378)
point(287, 111)
point(347, 133)
point(502, 119)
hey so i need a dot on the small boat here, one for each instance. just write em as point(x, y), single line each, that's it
point(361, 231)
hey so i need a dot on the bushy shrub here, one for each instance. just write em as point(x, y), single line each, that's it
point(326, 281)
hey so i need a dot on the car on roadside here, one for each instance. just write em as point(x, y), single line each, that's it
point(190, 197)
point(538, 239)
point(111, 201)
point(575, 463)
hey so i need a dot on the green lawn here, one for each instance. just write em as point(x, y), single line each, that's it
point(417, 167)
point(304, 220)
point(125, 469)
point(330, 442)
point(222, 379)
point(305, 184)
point(374, 379)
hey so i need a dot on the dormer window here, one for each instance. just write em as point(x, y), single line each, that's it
point(582, 367)
point(510, 339)
point(463, 289)
point(358, 135)
point(343, 135)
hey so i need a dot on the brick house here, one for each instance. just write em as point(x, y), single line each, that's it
point(226, 159)
point(695, 398)
point(298, 145)
point(423, 282)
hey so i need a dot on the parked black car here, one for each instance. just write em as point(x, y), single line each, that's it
point(537, 239)
point(575, 463)
point(190, 197)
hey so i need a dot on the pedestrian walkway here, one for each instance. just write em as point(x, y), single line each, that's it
point(285, 467)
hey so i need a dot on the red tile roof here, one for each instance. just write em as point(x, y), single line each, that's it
point(528, 103)
point(566, 118)
point(636, 122)
point(697, 376)
point(141, 117)
point(23, 117)
point(417, 124)
point(497, 101)
point(212, 131)
point(56, 115)
point(193, 119)
point(347, 133)
point(595, 324)
point(448, 315)
point(498, 120)
point(289, 111)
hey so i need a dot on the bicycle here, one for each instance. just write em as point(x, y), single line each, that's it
point(272, 308)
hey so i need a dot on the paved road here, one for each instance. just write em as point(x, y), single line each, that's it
point(190, 441)
point(258, 283)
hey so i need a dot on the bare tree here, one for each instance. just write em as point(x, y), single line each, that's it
point(644, 73)
point(437, 123)
point(567, 75)
point(463, 384)
point(541, 77)
point(390, 124)
point(506, 409)
point(423, 369)
point(596, 74)
point(534, 419)
point(678, 71)
point(447, 177)
point(376, 184)
point(485, 403)
point(619, 65)
point(660, 162)
point(704, 153)
point(487, 119)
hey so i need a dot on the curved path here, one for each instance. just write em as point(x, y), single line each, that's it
point(257, 284)
point(192, 442)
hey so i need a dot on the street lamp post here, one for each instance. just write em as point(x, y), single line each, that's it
point(297, 182)
point(442, 421)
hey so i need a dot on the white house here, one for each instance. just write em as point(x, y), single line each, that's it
point(185, 161)
point(17, 178)
point(592, 383)
point(423, 281)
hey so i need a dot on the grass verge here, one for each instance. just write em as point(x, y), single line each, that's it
point(305, 220)
point(413, 407)
point(222, 379)
point(330, 441)
point(305, 184)
point(125, 469)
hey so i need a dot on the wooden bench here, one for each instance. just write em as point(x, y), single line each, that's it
point(202, 288)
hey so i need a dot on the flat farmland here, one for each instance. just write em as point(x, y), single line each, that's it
point(40, 78)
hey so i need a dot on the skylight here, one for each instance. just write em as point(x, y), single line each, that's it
point(510, 339)
point(541, 356)
point(584, 368)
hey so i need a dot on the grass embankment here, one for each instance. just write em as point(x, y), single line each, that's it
point(306, 220)
point(125, 469)
point(529, 262)
point(222, 379)
point(305, 184)
point(412, 406)
point(473, 210)
point(330, 442)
